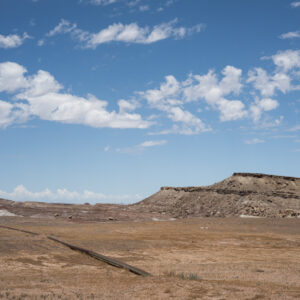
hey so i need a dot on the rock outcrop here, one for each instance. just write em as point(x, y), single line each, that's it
point(242, 194)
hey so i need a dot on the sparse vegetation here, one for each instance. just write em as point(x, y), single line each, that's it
point(183, 275)
point(225, 260)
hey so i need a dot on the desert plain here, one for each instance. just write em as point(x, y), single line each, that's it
point(195, 258)
point(237, 239)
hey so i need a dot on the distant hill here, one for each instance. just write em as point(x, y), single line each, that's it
point(242, 194)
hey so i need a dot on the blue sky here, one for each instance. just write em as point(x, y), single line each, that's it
point(108, 100)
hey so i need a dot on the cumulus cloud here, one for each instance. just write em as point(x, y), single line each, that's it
point(12, 77)
point(287, 60)
point(268, 104)
point(6, 117)
point(126, 33)
point(282, 79)
point(21, 193)
point(229, 93)
point(46, 100)
point(12, 40)
point(223, 93)
point(190, 123)
point(173, 94)
point(215, 92)
point(167, 99)
point(267, 84)
point(13, 113)
point(261, 105)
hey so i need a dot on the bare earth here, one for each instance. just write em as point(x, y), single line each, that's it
point(236, 239)
point(195, 258)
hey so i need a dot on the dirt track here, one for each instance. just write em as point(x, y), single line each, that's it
point(220, 258)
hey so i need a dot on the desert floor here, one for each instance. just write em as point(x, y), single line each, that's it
point(204, 258)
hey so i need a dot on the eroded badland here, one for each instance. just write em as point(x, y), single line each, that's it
point(189, 257)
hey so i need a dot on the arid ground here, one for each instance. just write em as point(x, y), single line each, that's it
point(195, 258)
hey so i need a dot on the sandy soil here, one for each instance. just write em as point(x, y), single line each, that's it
point(204, 258)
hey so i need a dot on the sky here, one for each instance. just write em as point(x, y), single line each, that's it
point(108, 100)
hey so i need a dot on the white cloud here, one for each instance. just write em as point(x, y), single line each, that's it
point(64, 26)
point(213, 91)
point(268, 104)
point(132, 33)
point(141, 147)
point(221, 93)
point(254, 141)
point(170, 2)
point(41, 96)
point(144, 7)
point(12, 40)
point(127, 33)
point(45, 100)
point(232, 110)
point(295, 4)
point(287, 60)
point(152, 143)
point(12, 77)
point(40, 84)
point(173, 94)
point(5, 114)
point(99, 2)
point(282, 79)
point(133, 3)
point(168, 99)
point(21, 193)
point(267, 84)
point(290, 35)
point(13, 113)
point(272, 123)
point(261, 105)
point(41, 42)
point(117, 32)
point(191, 124)
point(125, 106)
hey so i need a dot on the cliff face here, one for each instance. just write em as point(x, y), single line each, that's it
point(247, 194)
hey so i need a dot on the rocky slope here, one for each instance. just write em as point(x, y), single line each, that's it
point(242, 194)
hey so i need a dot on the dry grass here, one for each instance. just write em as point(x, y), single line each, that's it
point(190, 259)
point(184, 276)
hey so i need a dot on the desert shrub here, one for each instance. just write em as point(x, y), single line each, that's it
point(184, 276)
